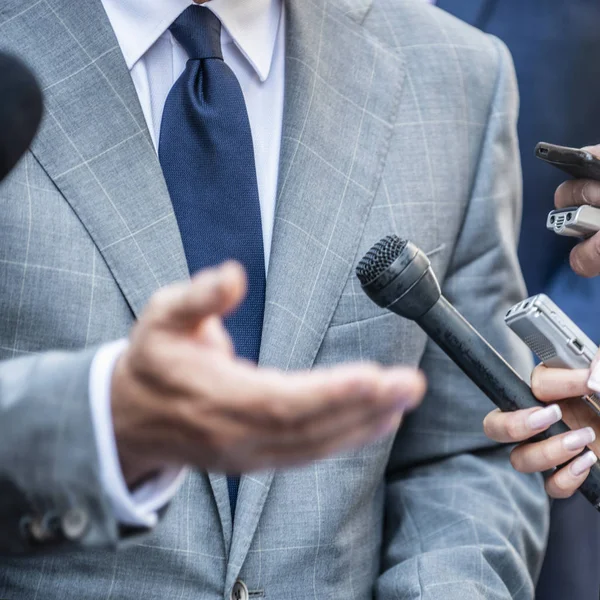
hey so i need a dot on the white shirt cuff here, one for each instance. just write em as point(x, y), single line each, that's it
point(138, 508)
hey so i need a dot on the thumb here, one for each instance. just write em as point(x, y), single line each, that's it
point(216, 291)
point(595, 150)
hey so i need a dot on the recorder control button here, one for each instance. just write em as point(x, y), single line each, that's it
point(575, 346)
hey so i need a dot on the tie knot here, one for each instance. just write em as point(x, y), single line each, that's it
point(198, 30)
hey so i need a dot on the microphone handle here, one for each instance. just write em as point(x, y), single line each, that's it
point(491, 373)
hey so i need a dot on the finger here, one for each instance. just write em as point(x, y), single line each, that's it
point(595, 150)
point(550, 453)
point(264, 412)
point(517, 426)
point(234, 393)
point(211, 292)
point(594, 380)
point(277, 449)
point(324, 435)
point(371, 389)
point(549, 385)
point(288, 400)
point(585, 257)
point(212, 333)
point(352, 438)
point(576, 192)
point(567, 480)
point(593, 366)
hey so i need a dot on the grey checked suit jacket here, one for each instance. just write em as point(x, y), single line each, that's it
point(398, 118)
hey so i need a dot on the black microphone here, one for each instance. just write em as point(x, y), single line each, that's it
point(397, 276)
point(20, 111)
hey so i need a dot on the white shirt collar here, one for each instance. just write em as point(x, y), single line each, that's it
point(252, 25)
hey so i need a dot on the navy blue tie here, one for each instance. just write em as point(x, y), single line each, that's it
point(207, 158)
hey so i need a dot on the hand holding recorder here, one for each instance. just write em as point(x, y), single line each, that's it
point(577, 203)
point(566, 353)
point(562, 389)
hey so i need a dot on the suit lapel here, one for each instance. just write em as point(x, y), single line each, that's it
point(342, 95)
point(96, 147)
point(474, 12)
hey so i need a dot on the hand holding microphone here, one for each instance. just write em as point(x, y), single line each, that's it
point(397, 276)
point(562, 389)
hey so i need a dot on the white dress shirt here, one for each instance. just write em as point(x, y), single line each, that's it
point(253, 43)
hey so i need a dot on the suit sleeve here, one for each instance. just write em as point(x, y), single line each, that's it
point(461, 524)
point(51, 495)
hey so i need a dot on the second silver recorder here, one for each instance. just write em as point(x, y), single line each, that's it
point(575, 221)
point(548, 332)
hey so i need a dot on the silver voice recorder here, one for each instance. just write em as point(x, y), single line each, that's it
point(574, 221)
point(552, 336)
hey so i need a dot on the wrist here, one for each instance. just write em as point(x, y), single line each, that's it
point(137, 461)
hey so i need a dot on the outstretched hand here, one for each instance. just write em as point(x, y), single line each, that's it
point(180, 396)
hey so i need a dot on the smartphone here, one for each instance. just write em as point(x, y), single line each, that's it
point(553, 337)
point(577, 163)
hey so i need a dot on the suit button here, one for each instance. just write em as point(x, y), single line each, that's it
point(38, 529)
point(239, 591)
point(74, 523)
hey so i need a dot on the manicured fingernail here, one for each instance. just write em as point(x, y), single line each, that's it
point(582, 464)
point(576, 440)
point(594, 380)
point(545, 417)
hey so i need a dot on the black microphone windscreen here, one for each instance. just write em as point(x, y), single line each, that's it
point(379, 258)
point(21, 109)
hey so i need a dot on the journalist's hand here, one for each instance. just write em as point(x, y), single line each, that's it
point(181, 397)
point(585, 257)
point(563, 388)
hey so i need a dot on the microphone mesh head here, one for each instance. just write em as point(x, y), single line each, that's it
point(379, 258)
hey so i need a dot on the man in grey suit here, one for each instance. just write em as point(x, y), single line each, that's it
point(397, 118)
